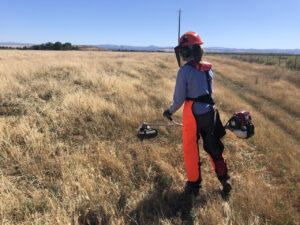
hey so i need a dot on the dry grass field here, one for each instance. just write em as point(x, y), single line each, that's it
point(69, 152)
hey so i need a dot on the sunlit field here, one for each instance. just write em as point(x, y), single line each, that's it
point(69, 152)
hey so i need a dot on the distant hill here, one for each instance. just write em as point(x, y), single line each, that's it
point(15, 44)
point(208, 49)
point(21, 45)
point(136, 48)
point(251, 50)
point(90, 48)
point(152, 48)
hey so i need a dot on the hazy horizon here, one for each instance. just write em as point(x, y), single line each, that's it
point(231, 24)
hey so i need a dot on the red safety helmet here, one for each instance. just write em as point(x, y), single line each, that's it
point(186, 44)
point(190, 38)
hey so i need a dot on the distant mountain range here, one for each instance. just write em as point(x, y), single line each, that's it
point(135, 48)
point(252, 50)
point(170, 49)
point(208, 49)
point(13, 44)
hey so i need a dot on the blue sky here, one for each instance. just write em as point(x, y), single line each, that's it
point(220, 23)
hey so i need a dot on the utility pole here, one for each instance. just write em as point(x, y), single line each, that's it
point(179, 24)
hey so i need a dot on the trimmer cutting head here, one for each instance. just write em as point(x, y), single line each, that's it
point(146, 132)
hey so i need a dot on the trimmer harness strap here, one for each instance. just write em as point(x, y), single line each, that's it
point(203, 98)
point(207, 98)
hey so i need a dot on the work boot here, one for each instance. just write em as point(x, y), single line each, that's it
point(192, 188)
point(226, 187)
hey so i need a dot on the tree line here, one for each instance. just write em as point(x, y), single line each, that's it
point(5, 47)
point(53, 46)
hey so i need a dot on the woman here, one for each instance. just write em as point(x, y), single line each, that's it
point(194, 89)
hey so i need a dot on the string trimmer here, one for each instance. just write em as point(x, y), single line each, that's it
point(240, 124)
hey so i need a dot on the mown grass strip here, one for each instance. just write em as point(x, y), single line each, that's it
point(243, 93)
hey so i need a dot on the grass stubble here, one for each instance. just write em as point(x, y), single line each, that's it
point(69, 154)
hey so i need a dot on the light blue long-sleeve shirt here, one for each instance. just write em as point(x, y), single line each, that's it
point(191, 83)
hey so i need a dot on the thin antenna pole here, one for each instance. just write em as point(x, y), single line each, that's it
point(179, 24)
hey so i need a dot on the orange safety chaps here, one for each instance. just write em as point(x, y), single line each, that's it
point(191, 150)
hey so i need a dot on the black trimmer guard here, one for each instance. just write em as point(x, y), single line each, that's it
point(146, 132)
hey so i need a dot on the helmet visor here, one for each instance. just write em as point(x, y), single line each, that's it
point(177, 50)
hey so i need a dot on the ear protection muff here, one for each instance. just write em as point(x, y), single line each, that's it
point(186, 51)
point(197, 52)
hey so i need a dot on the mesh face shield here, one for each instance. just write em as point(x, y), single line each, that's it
point(183, 53)
point(177, 50)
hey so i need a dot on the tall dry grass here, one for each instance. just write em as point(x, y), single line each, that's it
point(69, 154)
